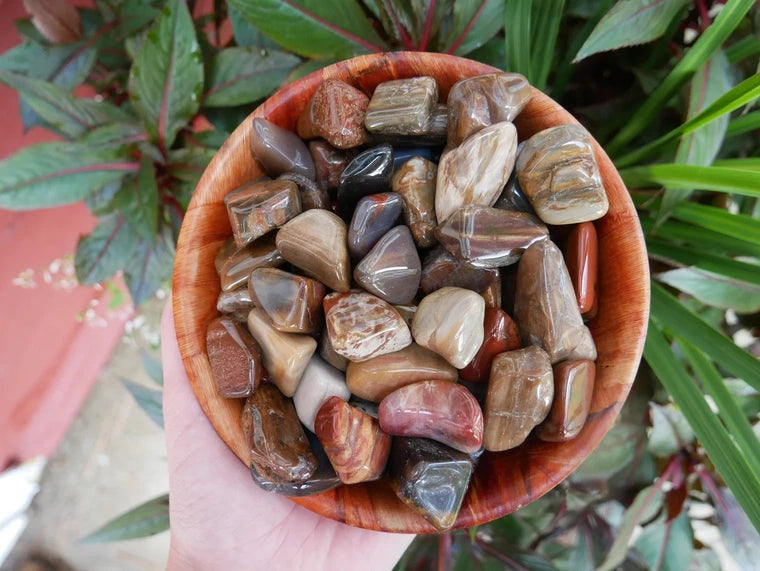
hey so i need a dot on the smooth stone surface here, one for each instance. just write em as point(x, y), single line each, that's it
point(582, 259)
point(312, 195)
point(319, 383)
point(492, 294)
point(329, 163)
point(280, 451)
point(500, 335)
point(520, 393)
point(478, 102)
point(234, 357)
point(225, 251)
point(328, 353)
point(545, 306)
point(407, 312)
point(315, 241)
point(293, 303)
point(512, 197)
point(415, 181)
point(367, 407)
point(236, 302)
point(362, 326)
point(376, 378)
point(391, 270)
point(430, 478)
point(475, 171)
point(558, 172)
point(449, 321)
point(573, 389)
point(257, 208)
point(487, 237)
point(358, 450)
point(441, 269)
point(279, 150)
point(440, 410)
point(586, 348)
point(285, 354)
point(403, 154)
point(439, 123)
point(238, 266)
point(402, 106)
point(336, 113)
point(369, 172)
point(374, 216)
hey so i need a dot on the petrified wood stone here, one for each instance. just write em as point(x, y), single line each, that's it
point(329, 163)
point(319, 383)
point(336, 113)
point(369, 172)
point(441, 269)
point(573, 389)
point(279, 150)
point(256, 208)
point(402, 106)
point(415, 182)
point(236, 268)
point(500, 335)
point(293, 303)
point(374, 216)
point(581, 256)
point(234, 357)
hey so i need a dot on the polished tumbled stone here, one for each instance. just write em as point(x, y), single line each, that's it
point(403, 154)
point(558, 172)
point(402, 106)
point(407, 311)
point(545, 306)
point(500, 335)
point(520, 393)
point(256, 208)
point(441, 269)
point(279, 449)
point(415, 182)
point(235, 303)
point(328, 353)
point(374, 379)
point(329, 163)
point(449, 321)
point(312, 195)
point(374, 216)
point(356, 446)
point(225, 251)
point(286, 355)
point(573, 389)
point(475, 171)
point(293, 303)
point(487, 237)
point(586, 348)
point(362, 326)
point(513, 198)
point(478, 102)
point(279, 150)
point(369, 172)
point(234, 357)
point(236, 267)
point(581, 257)
point(492, 294)
point(440, 410)
point(315, 241)
point(319, 383)
point(391, 270)
point(431, 478)
point(336, 113)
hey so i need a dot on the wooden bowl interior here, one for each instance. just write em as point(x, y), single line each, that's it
point(505, 481)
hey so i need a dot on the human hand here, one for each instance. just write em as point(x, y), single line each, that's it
point(221, 520)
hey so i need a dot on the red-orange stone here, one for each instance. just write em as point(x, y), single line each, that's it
point(353, 441)
point(234, 356)
point(501, 334)
point(336, 113)
point(573, 389)
point(581, 257)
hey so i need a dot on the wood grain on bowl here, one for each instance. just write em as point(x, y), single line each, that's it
point(503, 481)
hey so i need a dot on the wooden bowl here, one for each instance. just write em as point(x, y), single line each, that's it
point(503, 481)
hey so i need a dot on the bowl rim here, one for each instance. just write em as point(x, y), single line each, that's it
point(503, 481)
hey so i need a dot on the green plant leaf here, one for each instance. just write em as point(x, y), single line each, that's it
point(670, 431)
point(137, 200)
point(545, 23)
point(630, 22)
point(305, 68)
point(166, 79)
point(69, 115)
point(337, 29)
point(592, 543)
point(721, 179)
point(701, 237)
point(150, 400)
point(517, 38)
point(52, 174)
point(245, 33)
point(475, 23)
point(145, 520)
point(243, 75)
point(714, 289)
point(743, 124)
point(187, 164)
point(153, 367)
point(150, 267)
point(614, 453)
point(738, 226)
point(115, 135)
point(725, 23)
point(105, 251)
point(667, 545)
point(212, 139)
point(746, 47)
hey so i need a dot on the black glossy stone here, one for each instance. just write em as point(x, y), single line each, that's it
point(369, 172)
point(513, 198)
point(403, 154)
point(373, 217)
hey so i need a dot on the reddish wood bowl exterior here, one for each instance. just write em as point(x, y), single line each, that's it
point(505, 481)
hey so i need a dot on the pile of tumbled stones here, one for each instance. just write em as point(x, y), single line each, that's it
point(367, 290)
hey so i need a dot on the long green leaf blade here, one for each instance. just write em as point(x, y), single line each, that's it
point(744, 48)
point(517, 36)
point(145, 520)
point(700, 237)
point(721, 179)
point(547, 15)
point(106, 250)
point(739, 226)
point(138, 201)
point(743, 124)
point(714, 289)
point(475, 22)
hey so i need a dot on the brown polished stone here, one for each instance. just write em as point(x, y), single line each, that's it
point(238, 266)
point(279, 448)
point(329, 163)
point(407, 312)
point(545, 306)
point(256, 208)
point(234, 357)
point(402, 106)
point(236, 303)
point(336, 113)
point(353, 441)
point(581, 256)
point(573, 389)
point(500, 335)
point(225, 251)
point(586, 348)
point(492, 294)
point(440, 410)
point(376, 378)
point(558, 172)
point(320, 382)
point(478, 102)
point(362, 326)
point(328, 353)
point(315, 241)
point(439, 123)
point(415, 182)
point(441, 269)
point(279, 150)
point(520, 393)
point(312, 195)
point(292, 303)
point(475, 171)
